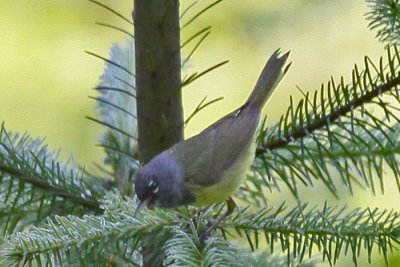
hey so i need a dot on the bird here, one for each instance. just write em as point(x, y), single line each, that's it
point(209, 167)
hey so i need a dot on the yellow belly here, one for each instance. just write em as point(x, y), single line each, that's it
point(230, 181)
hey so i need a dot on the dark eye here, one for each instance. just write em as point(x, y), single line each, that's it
point(153, 187)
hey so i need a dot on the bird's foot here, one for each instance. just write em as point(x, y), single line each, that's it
point(231, 206)
point(197, 213)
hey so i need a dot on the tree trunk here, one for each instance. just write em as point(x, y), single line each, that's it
point(158, 84)
point(158, 76)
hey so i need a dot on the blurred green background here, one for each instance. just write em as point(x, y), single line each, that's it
point(46, 77)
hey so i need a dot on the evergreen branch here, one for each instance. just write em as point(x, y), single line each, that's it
point(127, 83)
point(116, 28)
point(325, 120)
point(48, 188)
point(23, 207)
point(109, 61)
point(112, 11)
point(187, 9)
point(354, 151)
point(252, 191)
point(334, 101)
point(113, 89)
point(122, 153)
point(117, 111)
point(384, 17)
point(333, 128)
point(330, 230)
point(31, 178)
point(277, 260)
point(198, 14)
point(204, 35)
point(112, 127)
point(182, 250)
point(105, 102)
point(205, 30)
point(201, 106)
point(185, 249)
point(196, 75)
point(115, 234)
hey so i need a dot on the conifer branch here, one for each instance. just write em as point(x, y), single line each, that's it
point(328, 119)
point(384, 17)
point(35, 185)
point(115, 235)
point(331, 231)
point(116, 107)
point(334, 128)
point(112, 11)
point(50, 189)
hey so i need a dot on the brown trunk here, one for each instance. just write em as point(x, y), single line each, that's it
point(158, 75)
point(158, 83)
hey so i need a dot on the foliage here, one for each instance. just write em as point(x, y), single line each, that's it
point(116, 235)
point(330, 230)
point(116, 106)
point(384, 17)
point(333, 132)
point(91, 237)
point(55, 213)
point(35, 185)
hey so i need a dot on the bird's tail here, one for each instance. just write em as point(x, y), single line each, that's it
point(269, 78)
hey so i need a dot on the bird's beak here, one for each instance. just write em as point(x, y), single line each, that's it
point(142, 204)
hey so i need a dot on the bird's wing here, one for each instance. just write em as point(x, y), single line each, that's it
point(207, 155)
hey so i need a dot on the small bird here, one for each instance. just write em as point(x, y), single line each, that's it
point(210, 166)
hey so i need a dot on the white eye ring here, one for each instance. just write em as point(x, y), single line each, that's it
point(155, 191)
point(151, 182)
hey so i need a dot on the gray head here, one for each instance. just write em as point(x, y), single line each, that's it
point(161, 182)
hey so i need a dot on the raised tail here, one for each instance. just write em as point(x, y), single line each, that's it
point(269, 78)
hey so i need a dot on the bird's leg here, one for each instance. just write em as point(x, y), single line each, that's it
point(197, 213)
point(231, 205)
